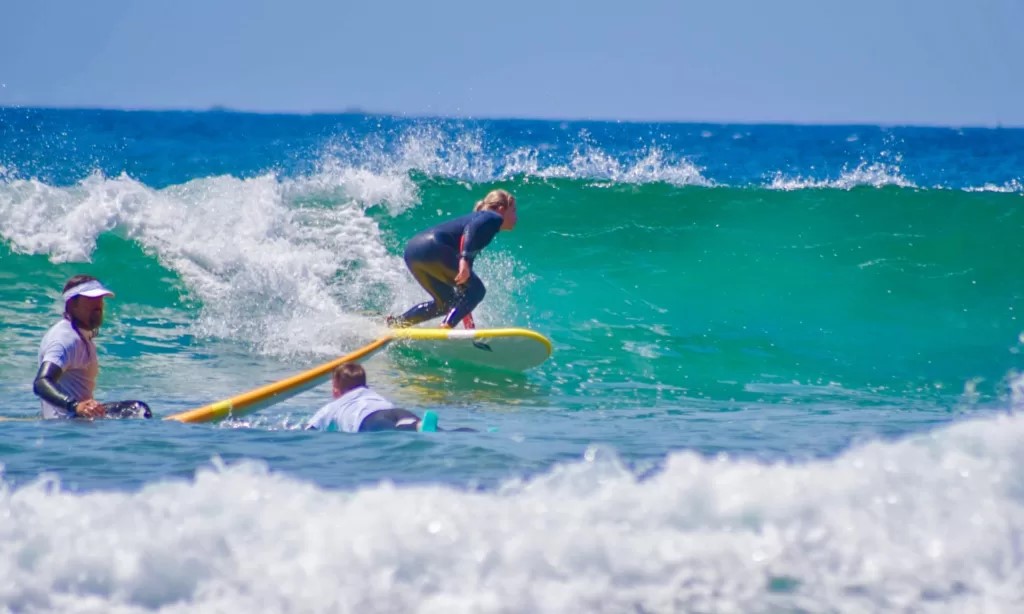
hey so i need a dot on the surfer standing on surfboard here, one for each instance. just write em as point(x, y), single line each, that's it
point(441, 260)
point(68, 364)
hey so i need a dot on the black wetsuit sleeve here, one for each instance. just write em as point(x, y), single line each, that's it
point(478, 233)
point(45, 387)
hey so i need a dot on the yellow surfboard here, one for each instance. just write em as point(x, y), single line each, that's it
point(265, 396)
point(510, 349)
point(515, 349)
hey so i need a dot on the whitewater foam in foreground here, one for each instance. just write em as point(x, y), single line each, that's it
point(931, 523)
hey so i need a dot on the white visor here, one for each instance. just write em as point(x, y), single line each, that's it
point(92, 288)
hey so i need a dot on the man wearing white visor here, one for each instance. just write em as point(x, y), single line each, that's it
point(68, 364)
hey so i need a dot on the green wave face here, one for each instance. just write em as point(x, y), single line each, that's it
point(709, 291)
point(689, 286)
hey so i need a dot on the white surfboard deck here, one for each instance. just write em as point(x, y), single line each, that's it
point(510, 349)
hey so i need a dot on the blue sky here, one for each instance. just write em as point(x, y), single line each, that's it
point(928, 62)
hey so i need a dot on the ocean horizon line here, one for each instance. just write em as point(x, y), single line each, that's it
point(360, 111)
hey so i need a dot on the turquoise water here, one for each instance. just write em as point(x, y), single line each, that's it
point(785, 374)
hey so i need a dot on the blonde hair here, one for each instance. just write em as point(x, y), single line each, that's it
point(496, 200)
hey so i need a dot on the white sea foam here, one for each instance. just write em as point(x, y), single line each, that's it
point(592, 162)
point(931, 523)
point(271, 261)
point(1010, 187)
point(424, 148)
point(1017, 391)
point(876, 174)
point(466, 156)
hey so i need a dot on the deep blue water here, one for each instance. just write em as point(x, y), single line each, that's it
point(786, 372)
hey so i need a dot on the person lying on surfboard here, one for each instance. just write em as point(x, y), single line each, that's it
point(441, 260)
point(357, 409)
point(68, 364)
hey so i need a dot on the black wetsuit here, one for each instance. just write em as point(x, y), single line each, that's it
point(394, 419)
point(398, 419)
point(433, 259)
